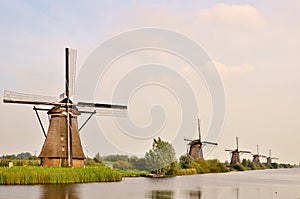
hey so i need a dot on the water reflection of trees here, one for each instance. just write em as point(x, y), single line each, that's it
point(59, 192)
point(195, 194)
point(160, 194)
point(166, 194)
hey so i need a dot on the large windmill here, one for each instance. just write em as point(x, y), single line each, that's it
point(235, 153)
point(270, 158)
point(62, 146)
point(195, 150)
point(257, 156)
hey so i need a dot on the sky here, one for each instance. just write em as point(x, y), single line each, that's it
point(254, 46)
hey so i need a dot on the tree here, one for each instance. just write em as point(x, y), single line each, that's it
point(23, 156)
point(97, 158)
point(122, 165)
point(162, 155)
point(115, 158)
point(138, 163)
point(185, 161)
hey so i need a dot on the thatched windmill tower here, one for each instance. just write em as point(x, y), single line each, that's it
point(62, 146)
point(235, 154)
point(270, 158)
point(257, 156)
point(195, 149)
point(55, 148)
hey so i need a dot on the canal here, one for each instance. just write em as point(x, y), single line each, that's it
point(264, 184)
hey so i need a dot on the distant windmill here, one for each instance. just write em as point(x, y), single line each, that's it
point(235, 154)
point(195, 150)
point(257, 156)
point(62, 146)
point(270, 158)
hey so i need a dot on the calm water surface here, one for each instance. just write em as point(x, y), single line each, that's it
point(266, 184)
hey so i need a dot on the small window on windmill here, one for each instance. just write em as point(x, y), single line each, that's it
point(61, 138)
point(63, 148)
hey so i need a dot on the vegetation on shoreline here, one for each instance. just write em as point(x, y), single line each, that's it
point(249, 165)
point(22, 159)
point(16, 162)
point(97, 172)
point(160, 159)
point(39, 175)
point(27, 171)
point(202, 166)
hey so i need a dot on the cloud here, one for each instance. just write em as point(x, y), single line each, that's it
point(232, 16)
point(233, 70)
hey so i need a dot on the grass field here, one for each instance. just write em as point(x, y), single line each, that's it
point(38, 175)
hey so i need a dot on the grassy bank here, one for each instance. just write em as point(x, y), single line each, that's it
point(18, 162)
point(39, 175)
point(133, 173)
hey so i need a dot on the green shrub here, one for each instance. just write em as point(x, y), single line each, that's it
point(187, 171)
point(172, 169)
point(239, 167)
point(185, 161)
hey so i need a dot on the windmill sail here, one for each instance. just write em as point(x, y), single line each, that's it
point(212, 143)
point(199, 131)
point(98, 105)
point(22, 98)
point(187, 139)
point(71, 56)
point(68, 115)
point(111, 112)
point(103, 109)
